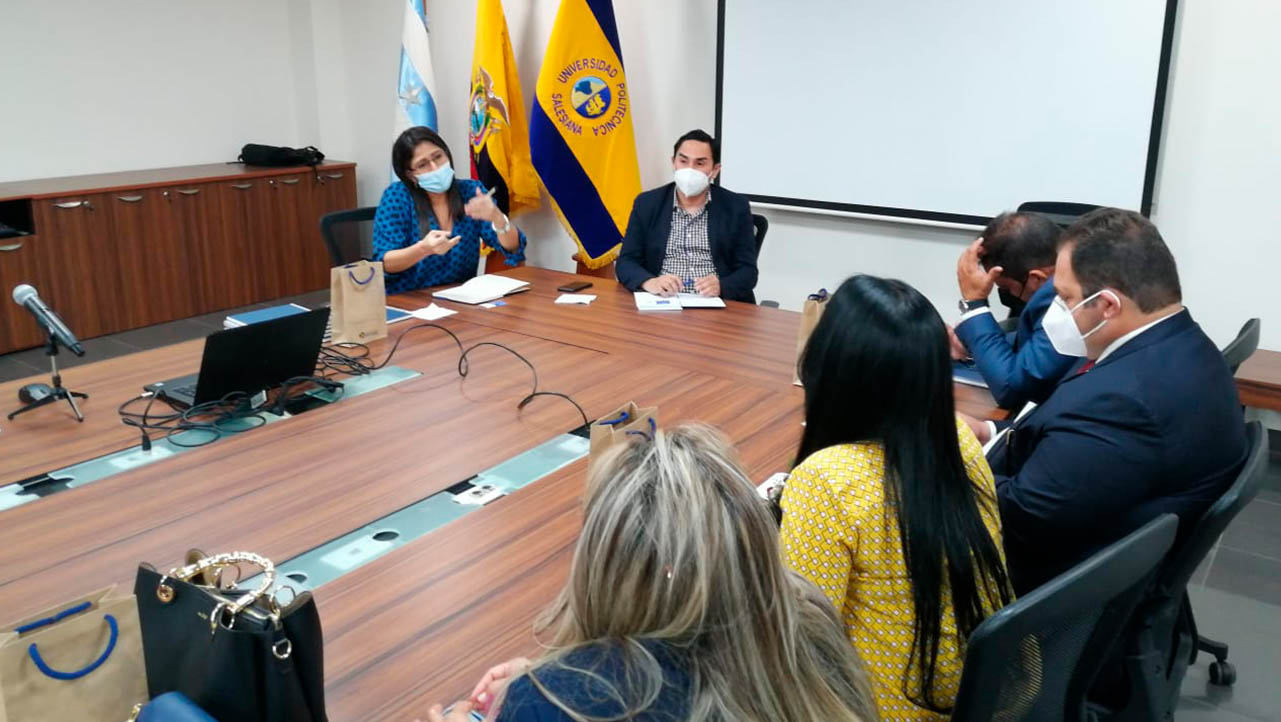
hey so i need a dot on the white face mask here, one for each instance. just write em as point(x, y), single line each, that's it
point(691, 182)
point(1060, 325)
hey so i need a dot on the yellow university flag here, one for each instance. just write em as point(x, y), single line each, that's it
point(497, 129)
point(580, 129)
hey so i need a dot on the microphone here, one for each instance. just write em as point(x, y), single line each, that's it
point(25, 295)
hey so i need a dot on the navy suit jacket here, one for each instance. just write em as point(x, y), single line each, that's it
point(1025, 369)
point(1155, 427)
point(729, 232)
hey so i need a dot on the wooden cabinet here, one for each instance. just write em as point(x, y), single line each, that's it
point(153, 256)
point(78, 262)
point(123, 250)
point(17, 266)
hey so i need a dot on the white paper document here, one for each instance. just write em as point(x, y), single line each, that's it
point(693, 300)
point(432, 313)
point(482, 289)
point(579, 298)
point(651, 302)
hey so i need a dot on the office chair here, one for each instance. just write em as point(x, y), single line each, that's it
point(761, 224)
point(1035, 659)
point(1162, 639)
point(1061, 212)
point(1243, 346)
point(348, 235)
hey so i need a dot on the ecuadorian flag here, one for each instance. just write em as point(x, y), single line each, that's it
point(580, 129)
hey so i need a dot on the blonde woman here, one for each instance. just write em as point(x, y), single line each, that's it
point(678, 607)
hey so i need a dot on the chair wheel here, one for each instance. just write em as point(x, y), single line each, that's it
point(1223, 674)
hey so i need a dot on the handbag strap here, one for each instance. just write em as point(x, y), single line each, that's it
point(48, 671)
point(225, 560)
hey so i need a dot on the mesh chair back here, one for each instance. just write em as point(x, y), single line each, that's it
point(1035, 659)
point(761, 224)
point(1243, 346)
point(349, 234)
point(1060, 212)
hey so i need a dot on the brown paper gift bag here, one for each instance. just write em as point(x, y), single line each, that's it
point(811, 312)
point(358, 302)
point(76, 661)
point(617, 426)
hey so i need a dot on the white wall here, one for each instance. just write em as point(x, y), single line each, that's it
point(113, 86)
point(90, 86)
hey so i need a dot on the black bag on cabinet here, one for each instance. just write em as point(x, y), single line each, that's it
point(280, 156)
point(238, 655)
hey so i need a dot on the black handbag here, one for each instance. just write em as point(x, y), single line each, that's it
point(237, 654)
point(280, 156)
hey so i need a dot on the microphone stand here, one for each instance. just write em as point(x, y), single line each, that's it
point(45, 394)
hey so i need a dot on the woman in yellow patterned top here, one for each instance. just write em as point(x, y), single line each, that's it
point(884, 459)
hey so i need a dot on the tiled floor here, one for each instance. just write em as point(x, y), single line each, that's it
point(1236, 593)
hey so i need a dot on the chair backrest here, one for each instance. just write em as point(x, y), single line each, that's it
point(1061, 212)
point(1243, 346)
point(1179, 568)
point(1036, 659)
point(349, 234)
point(761, 224)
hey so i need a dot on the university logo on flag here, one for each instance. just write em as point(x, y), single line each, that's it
point(581, 133)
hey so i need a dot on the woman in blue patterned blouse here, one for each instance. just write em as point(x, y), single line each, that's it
point(429, 224)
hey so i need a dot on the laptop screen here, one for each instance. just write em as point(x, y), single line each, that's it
point(260, 355)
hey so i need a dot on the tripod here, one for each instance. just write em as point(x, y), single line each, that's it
point(37, 395)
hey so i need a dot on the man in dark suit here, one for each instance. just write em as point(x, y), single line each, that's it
point(1016, 254)
point(1151, 424)
point(690, 236)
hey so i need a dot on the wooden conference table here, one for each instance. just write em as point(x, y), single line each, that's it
point(420, 624)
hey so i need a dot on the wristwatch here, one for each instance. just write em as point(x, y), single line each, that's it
point(507, 225)
point(967, 306)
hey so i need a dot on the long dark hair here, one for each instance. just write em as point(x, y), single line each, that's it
point(402, 153)
point(877, 368)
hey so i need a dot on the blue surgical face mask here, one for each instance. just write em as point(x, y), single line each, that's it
point(437, 181)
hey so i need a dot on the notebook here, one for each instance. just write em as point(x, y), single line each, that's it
point(651, 302)
point(965, 372)
point(482, 289)
point(263, 314)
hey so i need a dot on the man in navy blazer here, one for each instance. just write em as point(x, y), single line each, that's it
point(690, 236)
point(1016, 253)
point(1150, 424)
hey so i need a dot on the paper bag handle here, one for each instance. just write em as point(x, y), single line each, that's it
point(622, 419)
point(67, 676)
point(653, 430)
point(358, 282)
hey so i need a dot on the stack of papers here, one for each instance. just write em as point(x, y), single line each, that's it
point(263, 314)
point(432, 312)
point(483, 289)
point(580, 298)
point(651, 302)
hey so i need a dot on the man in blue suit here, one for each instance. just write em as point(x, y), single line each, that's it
point(1016, 254)
point(690, 236)
point(1150, 424)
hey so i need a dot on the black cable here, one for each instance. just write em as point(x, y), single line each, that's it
point(463, 367)
point(405, 333)
point(558, 394)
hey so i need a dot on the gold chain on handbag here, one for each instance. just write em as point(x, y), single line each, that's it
point(165, 592)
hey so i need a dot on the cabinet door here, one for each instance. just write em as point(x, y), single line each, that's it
point(220, 278)
point(243, 260)
point(18, 329)
point(155, 268)
point(333, 190)
point(77, 256)
point(302, 261)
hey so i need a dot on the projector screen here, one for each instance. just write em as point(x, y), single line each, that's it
point(942, 110)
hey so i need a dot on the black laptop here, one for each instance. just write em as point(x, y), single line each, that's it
point(250, 359)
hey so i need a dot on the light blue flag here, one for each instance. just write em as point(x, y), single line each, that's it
point(414, 90)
